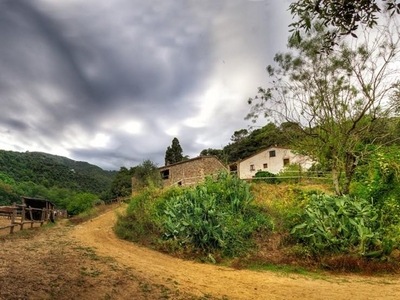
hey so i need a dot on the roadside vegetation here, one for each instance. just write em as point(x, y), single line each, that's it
point(259, 225)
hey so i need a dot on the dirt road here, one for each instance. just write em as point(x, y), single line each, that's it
point(222, 282)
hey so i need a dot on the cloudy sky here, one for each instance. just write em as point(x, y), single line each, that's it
point(113, 82)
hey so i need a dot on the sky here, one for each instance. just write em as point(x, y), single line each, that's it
point(113, 82)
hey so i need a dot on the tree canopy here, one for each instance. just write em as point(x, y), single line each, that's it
point(341, 17)
point(173, 154)
point(339, 101)
point(246, 142)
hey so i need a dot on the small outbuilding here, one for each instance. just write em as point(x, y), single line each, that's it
point(38, 205)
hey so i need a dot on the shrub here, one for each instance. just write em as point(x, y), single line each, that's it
point(266, 176)
point(379, 178)
point(216, 215)
point(290, 174)
point(216, 218)
point(340, 224)
point(81, 202)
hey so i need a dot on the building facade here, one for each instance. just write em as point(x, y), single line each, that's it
point(272, 159)
point(190, 172)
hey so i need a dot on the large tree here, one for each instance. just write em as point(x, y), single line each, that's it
point(337, 100)
point(173, 154)
point(341, 17)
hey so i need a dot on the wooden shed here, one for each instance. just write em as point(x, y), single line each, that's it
point(38, 205)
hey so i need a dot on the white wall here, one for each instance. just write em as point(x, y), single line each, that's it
point(273, 164)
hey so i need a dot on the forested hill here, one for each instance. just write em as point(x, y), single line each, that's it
point(52, 170)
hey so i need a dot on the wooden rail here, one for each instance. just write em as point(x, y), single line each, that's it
point(23, 210)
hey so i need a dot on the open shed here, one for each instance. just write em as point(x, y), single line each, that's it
point(38, 205)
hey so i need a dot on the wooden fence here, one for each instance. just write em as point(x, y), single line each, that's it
point(18, 216)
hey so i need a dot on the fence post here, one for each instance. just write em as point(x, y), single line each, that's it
point(42, 216)
point(14, 214)
point(23, 216)
point(31, 215)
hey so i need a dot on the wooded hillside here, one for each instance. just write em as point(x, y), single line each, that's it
point(52, 170)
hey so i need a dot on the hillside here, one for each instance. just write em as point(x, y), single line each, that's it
point(52, 170)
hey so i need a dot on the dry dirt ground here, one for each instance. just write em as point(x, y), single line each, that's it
point(88, 261)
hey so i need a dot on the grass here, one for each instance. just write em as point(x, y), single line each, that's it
point(286, 270)
point(91, 214)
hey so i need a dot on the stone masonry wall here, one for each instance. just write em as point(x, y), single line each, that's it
point(192, 171)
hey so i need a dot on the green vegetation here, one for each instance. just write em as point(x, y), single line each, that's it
point(75, 186)
point(50, 170)
point(246, 142)
point(215, 219)
point(67, 183)
point(266, 176)
point(173, 154)
point(340, 225)
point(338, 102)
point(81, 202)
point(342, 18)
point(145, 174)
point(285, 223)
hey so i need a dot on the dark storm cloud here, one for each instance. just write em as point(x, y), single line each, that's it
point(106, 80)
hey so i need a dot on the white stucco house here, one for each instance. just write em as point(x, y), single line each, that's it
point(272, 159)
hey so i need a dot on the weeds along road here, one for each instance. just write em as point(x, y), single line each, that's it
point(222, 282)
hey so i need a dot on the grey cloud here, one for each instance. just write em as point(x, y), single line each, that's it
point(86, 67)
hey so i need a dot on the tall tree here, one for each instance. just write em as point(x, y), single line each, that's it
point(173, 154)
point(341, 17)
point(337, 100)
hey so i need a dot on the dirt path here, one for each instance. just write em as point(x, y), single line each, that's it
point(221, 282)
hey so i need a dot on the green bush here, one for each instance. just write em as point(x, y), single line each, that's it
point(81, 202)
point(144, 215)
point(379, 178)
point(216, 217)
point(340, 225)
point(266, 176)
point(290, 174)
point(390, 211)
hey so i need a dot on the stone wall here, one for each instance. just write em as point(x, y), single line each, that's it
point(190, 172)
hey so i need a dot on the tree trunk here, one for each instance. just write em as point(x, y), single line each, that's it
point(336, 180)
point(351, 164)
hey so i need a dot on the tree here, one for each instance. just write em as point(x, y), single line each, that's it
point(146, 174)
point(173, 154)
point(81, 202)
point(247, 142)
point(239, 135)
point(337, 100)
point(121, 186)
point(342, 17)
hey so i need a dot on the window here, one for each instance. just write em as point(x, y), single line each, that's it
point(272, 153)
point(286, 161)
point(252, 168)
point(165, 174)
point(265, 166)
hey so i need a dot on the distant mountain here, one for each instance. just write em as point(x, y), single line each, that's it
point(53, 170)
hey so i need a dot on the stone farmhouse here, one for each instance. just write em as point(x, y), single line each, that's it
point(272, 159)
point(190, 172)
